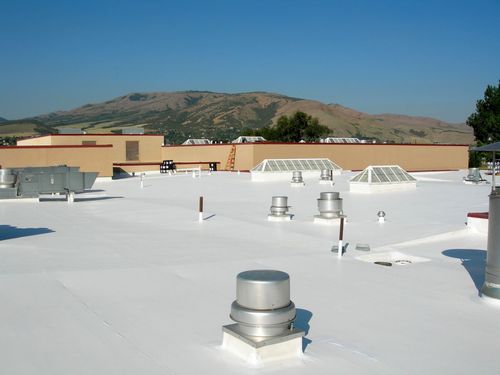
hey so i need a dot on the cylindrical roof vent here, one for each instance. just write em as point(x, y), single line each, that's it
point(329, 205)
point(297, 176)
point(279, 208)
point(297, 179)
point(326, 175)
point(7, 178)
point(491, 286)
point(263, 307)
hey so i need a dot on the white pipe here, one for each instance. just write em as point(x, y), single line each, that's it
point(494, 169)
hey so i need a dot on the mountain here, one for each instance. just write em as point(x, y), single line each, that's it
point(197, 114)
point(2, 119)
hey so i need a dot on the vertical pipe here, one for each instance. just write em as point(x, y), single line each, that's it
point(200, 210)
point(491, 286)
point(341, 237)
point(493, 183)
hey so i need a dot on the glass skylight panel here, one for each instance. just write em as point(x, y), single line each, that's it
point(384, 174)
point(289, 165)
point(285, 165)
point(310, 164)
point(273, 166)
point(364, 177)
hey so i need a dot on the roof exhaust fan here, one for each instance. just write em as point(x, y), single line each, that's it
point(326, 177)
point(329, 207)
point(279, 209)
point(264, 318)
point(297, 179)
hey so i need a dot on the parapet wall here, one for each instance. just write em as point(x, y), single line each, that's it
point(349, 156)
point(88, 158)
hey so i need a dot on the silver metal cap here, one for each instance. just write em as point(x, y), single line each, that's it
point(263, 289)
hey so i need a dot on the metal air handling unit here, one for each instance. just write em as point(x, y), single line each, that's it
point(32, 181)
point(264, 318)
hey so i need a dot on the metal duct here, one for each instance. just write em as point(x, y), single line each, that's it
point(263, 307)
point(491, 287)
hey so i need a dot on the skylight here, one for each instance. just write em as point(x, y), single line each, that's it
point(288, 165)
point(383, 174)
point(201, 141)
point(341, 140)
point(249, 139)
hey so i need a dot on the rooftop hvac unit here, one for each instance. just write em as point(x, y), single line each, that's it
point(33, 181)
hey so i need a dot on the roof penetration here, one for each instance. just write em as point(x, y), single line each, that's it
point(382, 177)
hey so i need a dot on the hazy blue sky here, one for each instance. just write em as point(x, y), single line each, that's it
point(429, 58)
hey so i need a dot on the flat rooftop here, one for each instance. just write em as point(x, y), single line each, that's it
point(127, 281)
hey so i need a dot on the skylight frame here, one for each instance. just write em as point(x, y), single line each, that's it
point(383, 175)
point(295, 164)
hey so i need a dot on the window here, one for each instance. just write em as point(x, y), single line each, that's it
point(132, 150)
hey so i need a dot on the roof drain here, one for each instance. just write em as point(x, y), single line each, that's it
point(326, 177)
point(329, 207)
point(279, 209)
point(297, 180)
point(264, 318)
point(491, 286)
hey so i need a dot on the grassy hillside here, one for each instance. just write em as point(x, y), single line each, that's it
point(195, 114)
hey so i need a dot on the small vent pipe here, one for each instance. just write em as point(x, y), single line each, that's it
point(297, 177)
point(326, 175)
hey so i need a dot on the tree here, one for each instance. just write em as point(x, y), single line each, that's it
point(299, 126)
point(486, 120)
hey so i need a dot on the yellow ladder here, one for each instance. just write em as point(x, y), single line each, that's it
point(231, 158)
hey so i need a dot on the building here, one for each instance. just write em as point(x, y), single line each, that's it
point(129, 153)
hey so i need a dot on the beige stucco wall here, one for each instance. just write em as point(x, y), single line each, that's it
point(149, 145)
point(88, 158)
point(350, 157)
point(359, 156)
point(209, 153)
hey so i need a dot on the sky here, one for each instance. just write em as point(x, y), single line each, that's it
point(425, 58)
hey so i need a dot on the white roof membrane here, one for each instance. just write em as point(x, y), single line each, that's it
point(127, 281)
